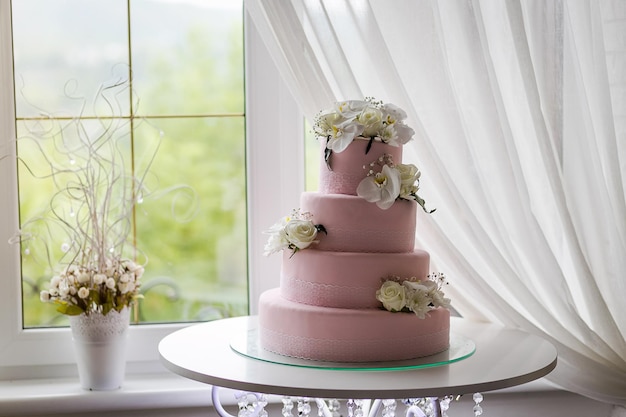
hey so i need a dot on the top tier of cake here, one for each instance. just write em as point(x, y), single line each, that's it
point(347, 169)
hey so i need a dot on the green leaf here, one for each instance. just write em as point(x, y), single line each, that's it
point(106, 308)
point(70, 309)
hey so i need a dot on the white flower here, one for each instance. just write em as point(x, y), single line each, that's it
point(110, 283)
point(125, 278)
point(293, 232)
point(54, 282)
point(393, 296)
point(348, 120)
point(99, 279)
point(276, 243)
point(403, 132)
point(300, 233)
point(83, 292)
point(44, 296)
point(394, 112)
point(409, 175)
point(372, 120)
point(419, 296)
point(389, 136)
point(83, 277)
point(418, 302)
point(382, 188)
point(126, 287)
point(351, 108)
point(342, 135)
point(64, 290)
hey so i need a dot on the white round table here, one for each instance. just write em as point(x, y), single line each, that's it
point(503, 358)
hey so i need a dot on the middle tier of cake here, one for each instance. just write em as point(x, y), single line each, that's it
point(346, 279)
point(356, 225)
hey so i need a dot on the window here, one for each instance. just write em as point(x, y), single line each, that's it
point(186, 61)
point(274, 177)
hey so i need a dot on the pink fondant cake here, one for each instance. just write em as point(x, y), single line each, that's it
point(353, 287)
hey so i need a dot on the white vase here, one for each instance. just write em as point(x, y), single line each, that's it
point(100, 348)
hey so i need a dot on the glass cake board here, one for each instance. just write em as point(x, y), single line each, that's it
point(247, 344)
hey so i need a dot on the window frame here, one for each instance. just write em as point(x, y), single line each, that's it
point(275, 177)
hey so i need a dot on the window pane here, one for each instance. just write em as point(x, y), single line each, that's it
point(64, 49)
point(193, 230)
point(187, 56)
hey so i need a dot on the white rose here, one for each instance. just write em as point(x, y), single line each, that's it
point(372, 120)
point(83, 293)
point(125, 278)
point(99, 279)
point(110, 283)
point(392, 295)
point(300, 233)
point(408, 174)
point(83, 277)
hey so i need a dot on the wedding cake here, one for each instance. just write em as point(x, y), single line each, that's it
point(353, 287)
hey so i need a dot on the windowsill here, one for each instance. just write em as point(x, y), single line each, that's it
point(140, 392)
point(64, 395)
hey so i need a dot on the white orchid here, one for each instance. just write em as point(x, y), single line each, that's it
point(393, 181)
point(361, 119)
point(381, 188)
point(341, 135)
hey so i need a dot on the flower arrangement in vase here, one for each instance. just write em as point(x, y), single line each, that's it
point(85, 232)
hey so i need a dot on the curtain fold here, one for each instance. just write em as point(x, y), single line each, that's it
point(520, 122)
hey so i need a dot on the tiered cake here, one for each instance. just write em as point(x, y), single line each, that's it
point(353, 287)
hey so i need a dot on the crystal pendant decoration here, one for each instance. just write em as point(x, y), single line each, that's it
point(287, 407)
point(478, 398)
point(304, 407)
point(389, 408)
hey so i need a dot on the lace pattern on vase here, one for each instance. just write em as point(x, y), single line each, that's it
point(97, 327)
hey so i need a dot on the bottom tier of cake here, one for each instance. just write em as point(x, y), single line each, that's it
point(346, 335)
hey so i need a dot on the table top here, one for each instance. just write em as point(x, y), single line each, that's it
point(503, 358)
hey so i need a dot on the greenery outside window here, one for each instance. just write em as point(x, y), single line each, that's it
point(186, 61)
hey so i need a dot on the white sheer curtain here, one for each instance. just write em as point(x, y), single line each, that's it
point(520, 113)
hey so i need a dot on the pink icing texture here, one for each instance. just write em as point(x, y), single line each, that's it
point(355, 225)
point(326, 307)
point(348, 335)
point(345, 279)
point(350, 166)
